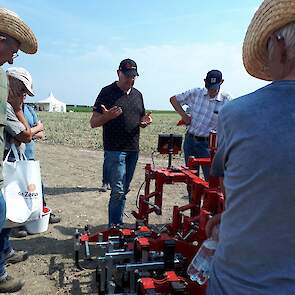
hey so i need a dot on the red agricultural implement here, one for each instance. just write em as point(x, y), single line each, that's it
point(142, 260)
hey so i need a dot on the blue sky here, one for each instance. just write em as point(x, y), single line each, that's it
point(173, 42)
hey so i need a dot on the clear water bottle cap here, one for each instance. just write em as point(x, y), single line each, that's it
point(210, 244)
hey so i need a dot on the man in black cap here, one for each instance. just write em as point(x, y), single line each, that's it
point(204, 104)
point(119, 109)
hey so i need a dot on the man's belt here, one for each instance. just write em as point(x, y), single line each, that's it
point(198, 138)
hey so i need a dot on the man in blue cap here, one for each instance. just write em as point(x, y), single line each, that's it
point(204, 104)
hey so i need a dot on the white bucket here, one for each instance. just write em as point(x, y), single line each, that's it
point(40, 225)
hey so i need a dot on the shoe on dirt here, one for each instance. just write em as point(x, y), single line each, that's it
point(19, 232)
point(10, 284)
point(16, 256)
point(54, 219)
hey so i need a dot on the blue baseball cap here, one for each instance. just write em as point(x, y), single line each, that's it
point(213, 79)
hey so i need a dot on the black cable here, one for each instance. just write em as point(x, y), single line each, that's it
point(154, 167)
point(137, 197)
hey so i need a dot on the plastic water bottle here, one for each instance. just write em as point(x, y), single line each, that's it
point(200, 267)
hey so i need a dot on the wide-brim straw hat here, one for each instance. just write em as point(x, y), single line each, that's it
point(12, 25)
point(270, 17)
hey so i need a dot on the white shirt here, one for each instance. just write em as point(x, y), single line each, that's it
point(204, 110)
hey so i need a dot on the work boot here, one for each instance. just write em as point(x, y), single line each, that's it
point(10, 284)
point(16, 257)
point(54, 219)
point(103, 188)
point(19, 232)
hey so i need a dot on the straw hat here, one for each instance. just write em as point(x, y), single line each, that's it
point(270, 17)
point(12, 25)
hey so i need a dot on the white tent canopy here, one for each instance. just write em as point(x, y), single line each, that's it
point(51, 104)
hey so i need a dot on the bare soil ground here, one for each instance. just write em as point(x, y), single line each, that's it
point(72, 177)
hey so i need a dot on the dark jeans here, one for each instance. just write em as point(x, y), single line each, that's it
point(105, 173)
point(198, 149)
point(121, 166)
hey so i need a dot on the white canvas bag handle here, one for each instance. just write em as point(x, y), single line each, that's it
point(13, 149)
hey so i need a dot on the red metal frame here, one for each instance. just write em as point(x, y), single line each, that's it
point(188, 224)
point(164, 286)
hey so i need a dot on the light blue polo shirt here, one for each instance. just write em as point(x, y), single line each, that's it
point(256, 252)
point(32, 119)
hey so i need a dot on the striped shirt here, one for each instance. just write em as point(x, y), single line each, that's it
point(204, 110)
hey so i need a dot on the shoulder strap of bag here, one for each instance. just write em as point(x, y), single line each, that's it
point(14, 151)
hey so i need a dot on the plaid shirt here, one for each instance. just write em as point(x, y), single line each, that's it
point(204, 110)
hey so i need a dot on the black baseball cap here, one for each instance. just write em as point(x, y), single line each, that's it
point(213, 79)
point(128, 67)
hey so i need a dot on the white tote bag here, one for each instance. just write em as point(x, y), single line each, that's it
point(22, 188)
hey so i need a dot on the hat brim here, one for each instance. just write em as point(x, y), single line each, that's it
point(213, 86)
point(131, 73)
point(270, 17)
point(30, 91)
point(13, 26)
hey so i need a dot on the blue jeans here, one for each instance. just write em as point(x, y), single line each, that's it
point(4, 236)
point(5, 248)
point(198, 149)
point(105, 174)
point(121, 167)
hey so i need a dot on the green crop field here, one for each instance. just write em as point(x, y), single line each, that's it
point(73, 129)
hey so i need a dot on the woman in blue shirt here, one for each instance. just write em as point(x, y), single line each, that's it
point(37, 129)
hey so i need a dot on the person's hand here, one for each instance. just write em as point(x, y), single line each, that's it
point(112, 113)
point(211, 224)
point(146, 119)
point(40, 126)
point(186, 119)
